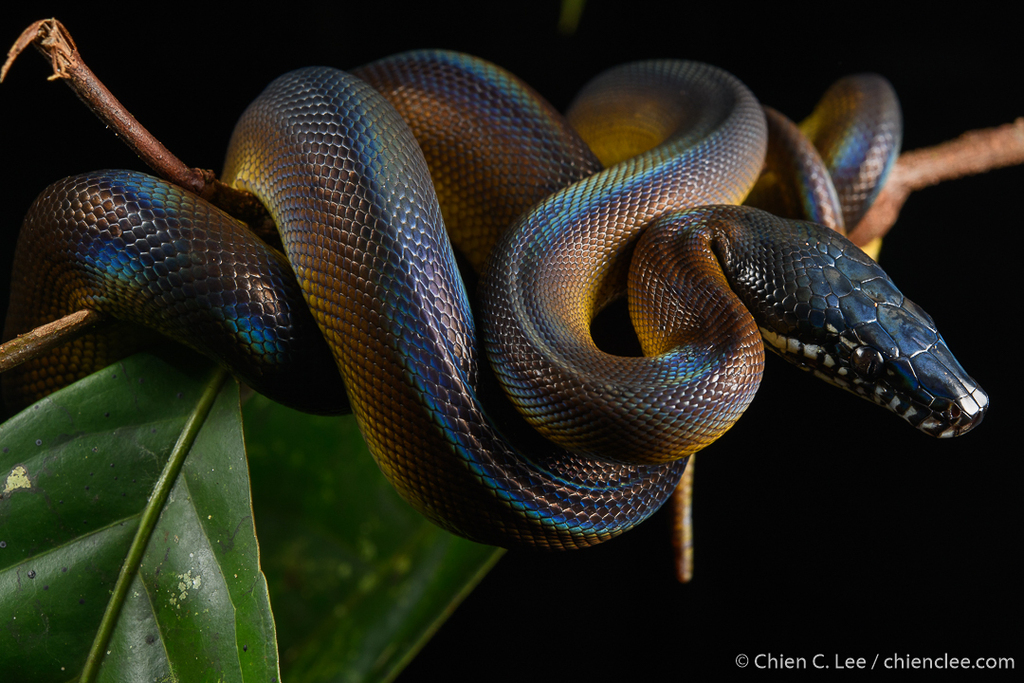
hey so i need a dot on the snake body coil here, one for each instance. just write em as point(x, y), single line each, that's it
point(350, 190)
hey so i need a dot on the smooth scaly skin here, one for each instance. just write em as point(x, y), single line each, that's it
point(486, 172)
point(538, 315)
point(795, 182)
point(860, 153)
point(327, 152)
point(381, 280)
point(829, 169)
point(142, 250)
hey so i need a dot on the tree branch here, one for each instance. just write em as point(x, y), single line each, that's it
point(976, 151)
point(36, 342)
point(55, 43)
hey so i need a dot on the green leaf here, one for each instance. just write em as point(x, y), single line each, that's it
point(79, 469)
point(359, 580)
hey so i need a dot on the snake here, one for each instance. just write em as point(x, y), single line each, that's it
point(362, 171)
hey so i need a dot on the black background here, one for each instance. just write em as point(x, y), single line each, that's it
point(823, 524)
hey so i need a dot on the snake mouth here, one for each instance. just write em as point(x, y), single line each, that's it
point(942, 418)
point(930, 391)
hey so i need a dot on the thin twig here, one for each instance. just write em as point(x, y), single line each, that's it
point(976, 151)
point(55, 43)
point(681, 505)
point(38, 341)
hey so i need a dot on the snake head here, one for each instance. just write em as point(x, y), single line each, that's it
point(899, 360)
point(891, 353)
point(830, 309)
point(880, 345)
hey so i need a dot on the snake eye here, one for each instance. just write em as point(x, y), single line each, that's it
point(867, 362)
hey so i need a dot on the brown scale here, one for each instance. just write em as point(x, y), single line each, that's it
point(486, 173)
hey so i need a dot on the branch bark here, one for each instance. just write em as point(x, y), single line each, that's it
point(56, 44)
point(976, 151)
point(45, 337)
